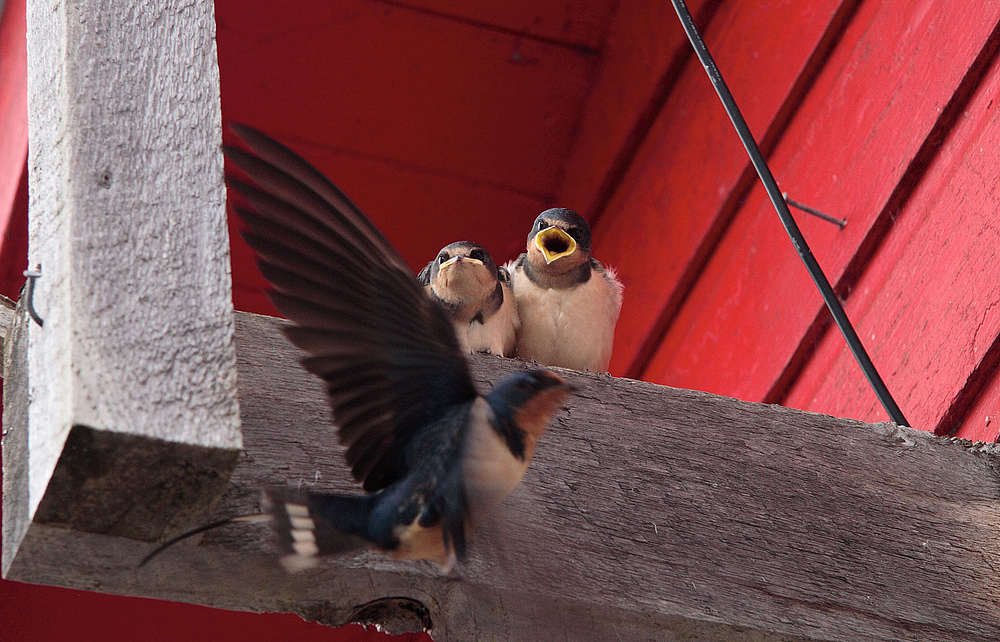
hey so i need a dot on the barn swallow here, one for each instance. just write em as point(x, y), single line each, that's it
point(568, 302)
point(476, 295)
point(434, 456)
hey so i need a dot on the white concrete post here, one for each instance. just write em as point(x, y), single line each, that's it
point(132, 421)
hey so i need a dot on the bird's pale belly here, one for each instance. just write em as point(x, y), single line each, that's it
point(571, 328)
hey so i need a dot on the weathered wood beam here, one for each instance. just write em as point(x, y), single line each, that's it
point(7, 308)
point(648, 513)
point(132, 379)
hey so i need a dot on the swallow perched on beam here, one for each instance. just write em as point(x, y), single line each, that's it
point(434, 456)
point(476, 295)
point(568, 302)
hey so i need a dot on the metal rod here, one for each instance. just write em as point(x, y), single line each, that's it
point(29, 294)
point(839, 222)
point(798, 241)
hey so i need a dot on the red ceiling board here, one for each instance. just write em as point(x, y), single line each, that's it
point(13, 106)
point(644, 44)
point(680, 180)
point(845, 152)
point(404, 86)
point(14, 248)
point(579, 22)
point(419, 213)
point(928, 304)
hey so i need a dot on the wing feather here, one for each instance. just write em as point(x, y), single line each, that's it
point(387, 352)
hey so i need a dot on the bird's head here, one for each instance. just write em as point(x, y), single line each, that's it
point(559, 241)
point(462, 272)
point(529, 399)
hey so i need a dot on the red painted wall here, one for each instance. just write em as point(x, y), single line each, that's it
point(861, 116)
point(13, 147)
point(446, 120)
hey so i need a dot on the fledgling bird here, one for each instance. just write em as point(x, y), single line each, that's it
point(434, 456)
point(476, 295)
point(568, 302)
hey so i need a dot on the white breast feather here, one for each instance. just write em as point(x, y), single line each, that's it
point(497, 334)
point(491, 470)
point(572, 327)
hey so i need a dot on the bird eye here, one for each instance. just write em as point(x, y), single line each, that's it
point(478, 255)
point(576, 233)
point(442, 257)
point(541, 225)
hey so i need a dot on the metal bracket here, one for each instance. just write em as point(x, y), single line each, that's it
point(29, 294)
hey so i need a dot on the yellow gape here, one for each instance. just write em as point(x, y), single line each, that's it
point(554, 243)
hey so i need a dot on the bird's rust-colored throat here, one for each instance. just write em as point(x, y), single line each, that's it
point(534, 416)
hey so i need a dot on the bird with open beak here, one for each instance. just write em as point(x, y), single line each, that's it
point(476, 295)
point(568, 302)
point(434, 456)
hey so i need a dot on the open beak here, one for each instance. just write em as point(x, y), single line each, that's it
point(554, 243)
point(460, 259)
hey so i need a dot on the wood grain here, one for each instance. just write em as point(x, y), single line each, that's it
point(7, 308)
point(649, 513)
point(128, 223)
point(14, 438)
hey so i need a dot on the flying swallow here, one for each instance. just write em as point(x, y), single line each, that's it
point(476, 295)
point(434, 456)
point(568, 302)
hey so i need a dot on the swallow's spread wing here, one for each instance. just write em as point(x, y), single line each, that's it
point(387, 352)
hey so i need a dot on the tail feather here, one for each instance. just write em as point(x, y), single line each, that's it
point(306, 525)
point(309, 525)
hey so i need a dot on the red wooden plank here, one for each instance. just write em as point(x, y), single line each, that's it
point(644, 53)
point(13, 106)
point(573, 23)
point(31, 613)
point(858, 132)
point(419, 213)
point(983, 421)
point(404, 86)
point(929, 303)
point(678, 186)
point(14, 247)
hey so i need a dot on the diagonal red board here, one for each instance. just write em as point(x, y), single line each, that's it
point(679, 182)
point(845, 152)
point(930, 298)
point(13, 106)
point(644, 41)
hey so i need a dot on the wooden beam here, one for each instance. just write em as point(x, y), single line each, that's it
point(7, 308)
point(132, 379)
point(648, 513)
